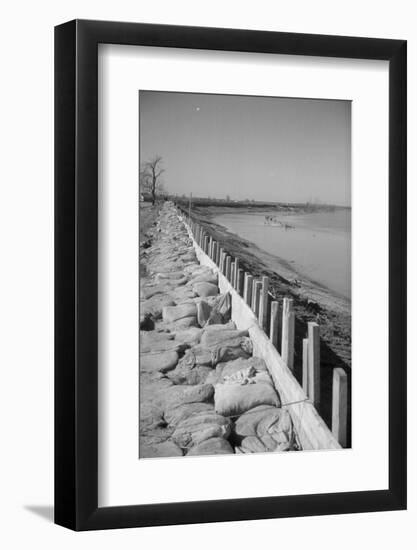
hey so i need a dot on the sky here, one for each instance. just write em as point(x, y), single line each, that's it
point(244, 147)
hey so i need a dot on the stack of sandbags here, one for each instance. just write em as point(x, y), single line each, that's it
point(214, 347)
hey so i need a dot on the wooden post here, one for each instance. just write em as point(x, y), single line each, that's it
point(240, 282)
point(248, 289)
point(314, 363)
point(256, 298)
point(236, 272)
point(222, 256)
point(232, 273)
point(254, 281)
point(228, 267)
point(263, 303)
point(287, 338)
point(305, 366)
point(218, 255)
point(210, 247)
point(214, 251)
point(205, 243)
point(273, 326)
point(339, 406)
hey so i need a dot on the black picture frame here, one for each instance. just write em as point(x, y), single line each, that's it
point(76, 272)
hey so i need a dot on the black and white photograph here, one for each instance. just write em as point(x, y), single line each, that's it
point(245, 274)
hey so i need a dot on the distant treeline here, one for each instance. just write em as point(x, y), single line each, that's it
point(206, 202)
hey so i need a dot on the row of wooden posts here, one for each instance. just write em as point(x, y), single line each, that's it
point(256, 294)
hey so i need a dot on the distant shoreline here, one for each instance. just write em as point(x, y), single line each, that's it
point(253, 206)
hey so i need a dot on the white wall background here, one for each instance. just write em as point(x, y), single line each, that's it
point(26, 300)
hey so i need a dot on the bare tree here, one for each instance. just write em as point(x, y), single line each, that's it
point(149, 176)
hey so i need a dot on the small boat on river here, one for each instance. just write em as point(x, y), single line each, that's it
point(273, 221)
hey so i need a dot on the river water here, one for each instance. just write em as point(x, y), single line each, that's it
point(316, 245)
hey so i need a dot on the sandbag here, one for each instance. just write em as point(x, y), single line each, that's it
point(220, 326)
point(162, 362)
point(197, 355)
point(280, 429)
point(203, 312)
point(176, 414)
point(147, 292)
point(234, 399)
point(190, 336)
point(240, 349)
point(215, 375)
point(205, 277)
point(171, 314)
point(170, 275)
point(189, 256)
point(196, 429)
point(247, 423)
point(150, 416)
point(150, 438)
point(253, 444)
point(205, 289)
point(246, 375)
point(222, 309)
point(180, 395)
point(212, 338)
point(156, 341)
point(190, 377)
point(181, 294)
point(182, 324)
point(160, 345)
point(156, 435)
point(195, 269)
point(164, 449)
point(258, 365)
point(212, 446)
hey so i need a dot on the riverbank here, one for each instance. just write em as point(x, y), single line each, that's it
point(312, 302)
